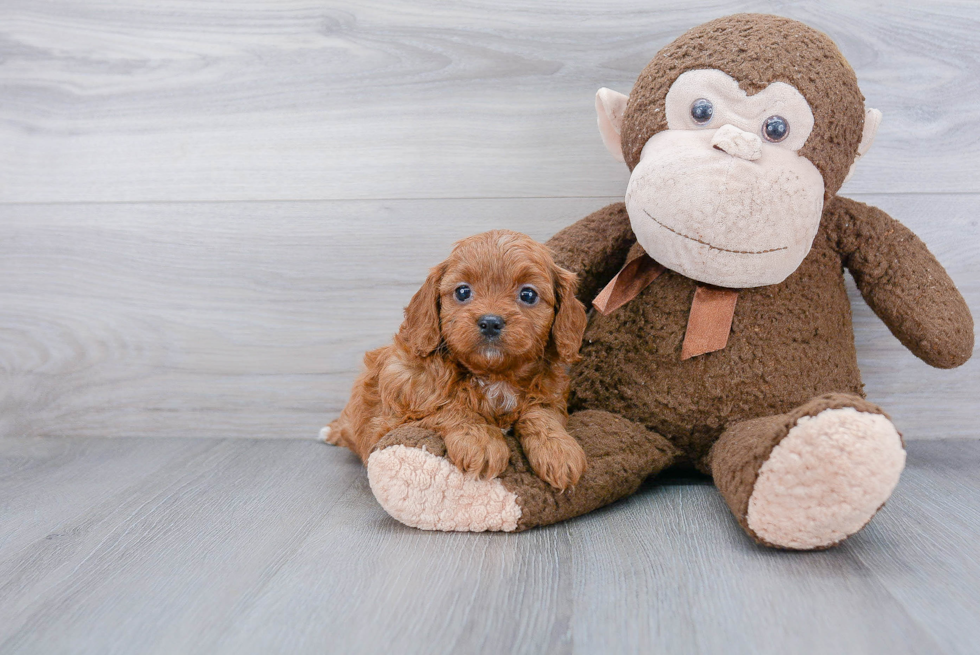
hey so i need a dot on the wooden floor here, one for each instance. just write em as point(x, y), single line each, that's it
point(273, 546)
point(210, 210)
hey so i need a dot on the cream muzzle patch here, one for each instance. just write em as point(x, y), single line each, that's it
point(714, 197)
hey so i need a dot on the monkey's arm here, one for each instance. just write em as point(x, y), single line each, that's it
point(904, 284)
point(594, 248)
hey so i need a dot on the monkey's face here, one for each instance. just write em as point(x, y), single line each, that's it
point(722, 196)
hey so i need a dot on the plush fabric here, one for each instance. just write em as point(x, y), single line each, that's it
point(757, 50)
point(621, 455)
point(825, 479)
point(789, 343)
point(735, 223)
point(777, 415)
point(416, 484)
point(736, 111)
point(737, 457)
point(737, 143)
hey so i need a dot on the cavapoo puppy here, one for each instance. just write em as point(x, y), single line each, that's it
point(484, 347)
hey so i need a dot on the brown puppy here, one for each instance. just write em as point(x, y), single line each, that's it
point(483, 348)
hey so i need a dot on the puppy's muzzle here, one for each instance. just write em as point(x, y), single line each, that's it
point(491, 325)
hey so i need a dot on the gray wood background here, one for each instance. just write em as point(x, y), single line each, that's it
point(209, 210)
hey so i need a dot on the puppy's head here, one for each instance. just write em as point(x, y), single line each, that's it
point(498, 302)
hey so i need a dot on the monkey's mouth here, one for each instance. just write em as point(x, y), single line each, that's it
point(713, 247)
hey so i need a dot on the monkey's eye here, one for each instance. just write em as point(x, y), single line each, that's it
point(775, 129)
point(528, 295)
point(702, 110)
point(463, 293)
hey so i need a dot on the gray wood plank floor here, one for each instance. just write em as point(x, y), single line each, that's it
point(261, 546)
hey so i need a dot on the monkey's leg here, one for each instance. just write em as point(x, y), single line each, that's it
point(417, 485)
point(810, 478)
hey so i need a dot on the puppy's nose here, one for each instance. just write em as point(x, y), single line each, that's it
point(490, 325)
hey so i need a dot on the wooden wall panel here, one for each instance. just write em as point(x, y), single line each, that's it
point(292, 99)
point(250, 319)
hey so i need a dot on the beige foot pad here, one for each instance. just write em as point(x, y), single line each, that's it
point(425, 491)
point(826, 479)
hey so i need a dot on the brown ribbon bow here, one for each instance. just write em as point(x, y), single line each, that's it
point(708, 324)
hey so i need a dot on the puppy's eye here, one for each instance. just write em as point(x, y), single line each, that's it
point(463, 293)
point(528, 296)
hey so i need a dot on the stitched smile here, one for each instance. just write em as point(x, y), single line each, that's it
point(705, 243)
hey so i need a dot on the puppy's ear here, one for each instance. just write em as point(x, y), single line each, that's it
point(570, 318)
point(420, 329)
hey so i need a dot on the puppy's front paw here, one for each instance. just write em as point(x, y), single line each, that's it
point(480, 450)
point(558, 460)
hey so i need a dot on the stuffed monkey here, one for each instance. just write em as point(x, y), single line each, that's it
point(721, 337)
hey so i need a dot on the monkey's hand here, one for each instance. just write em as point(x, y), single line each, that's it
point(904, 284)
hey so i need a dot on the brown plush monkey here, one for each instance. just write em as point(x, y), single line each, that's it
point(723, 335)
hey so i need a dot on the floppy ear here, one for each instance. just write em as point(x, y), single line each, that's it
point(570, 318)
point(420, 329)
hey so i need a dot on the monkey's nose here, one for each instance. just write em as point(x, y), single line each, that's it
point(490, 325)
point(737, 143)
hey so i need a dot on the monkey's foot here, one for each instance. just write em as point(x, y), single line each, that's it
point(825, 479)
point(416, 483)
point(418, 486)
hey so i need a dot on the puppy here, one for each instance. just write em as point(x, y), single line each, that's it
point(484, 347)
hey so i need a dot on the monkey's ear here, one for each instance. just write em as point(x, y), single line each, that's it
point(610, 106)
point(570, 317)
point(420, 329)
point(872, 119)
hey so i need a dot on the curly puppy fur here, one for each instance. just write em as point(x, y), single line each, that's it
point(443, 373)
